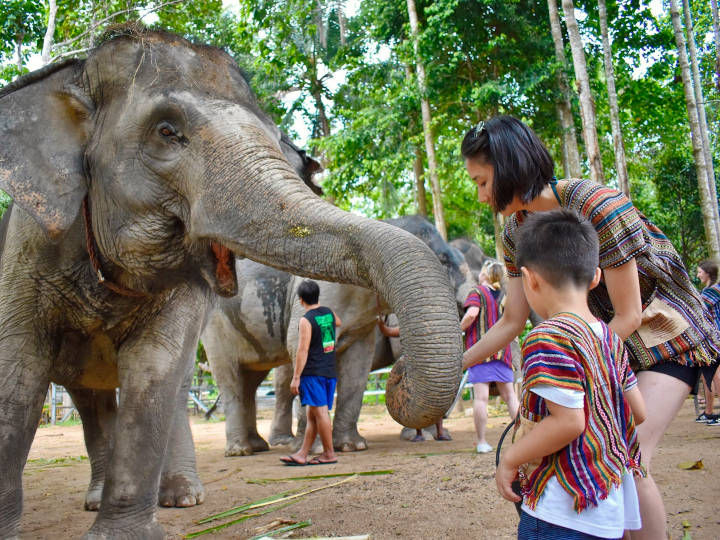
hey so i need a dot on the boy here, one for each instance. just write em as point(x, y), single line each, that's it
point(578, 392)
point(315, 377)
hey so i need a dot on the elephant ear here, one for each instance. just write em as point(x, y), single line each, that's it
point(44, 125)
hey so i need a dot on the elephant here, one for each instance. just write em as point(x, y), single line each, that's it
point(137, 174)
point(474, 255)
point(249, 334)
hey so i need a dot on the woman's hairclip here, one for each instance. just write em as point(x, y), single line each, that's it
point(479, 128)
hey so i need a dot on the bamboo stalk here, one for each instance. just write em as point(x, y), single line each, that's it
point(281, 530)
point(222, 526)
point(270, 500)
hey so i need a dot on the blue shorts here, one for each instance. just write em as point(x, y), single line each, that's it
point(317, 391)
point(532, 528)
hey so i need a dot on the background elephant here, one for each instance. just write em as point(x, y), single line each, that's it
point(251, 333)
point(136, 175)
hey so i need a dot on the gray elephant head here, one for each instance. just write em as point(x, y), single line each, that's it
point(181, 169)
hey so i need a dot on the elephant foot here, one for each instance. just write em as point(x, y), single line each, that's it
point(349, 442)
point(93, 496)
point(258, 444)
point(181, 490)
point(101, 530)
point(281, 439)
point(238, 448)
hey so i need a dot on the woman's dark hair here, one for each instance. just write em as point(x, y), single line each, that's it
point(309, 292)
point(710, 267)
point(521, 163)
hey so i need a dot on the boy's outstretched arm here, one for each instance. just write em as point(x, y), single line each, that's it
point(304, 335)
point(637, 404)
point(551, 434)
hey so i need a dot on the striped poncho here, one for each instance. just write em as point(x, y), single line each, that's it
point(565, 352)
point(486, 299)
point(676, 327)
point(711, 297)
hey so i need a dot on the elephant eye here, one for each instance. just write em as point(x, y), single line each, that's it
point(166, 130)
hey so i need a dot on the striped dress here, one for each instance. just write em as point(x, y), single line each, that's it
point(565, 352)
point(486, 299)
point(676, 327)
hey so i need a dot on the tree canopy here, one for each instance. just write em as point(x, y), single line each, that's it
point(340, 78)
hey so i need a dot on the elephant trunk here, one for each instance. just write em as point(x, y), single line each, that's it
point(254, 203)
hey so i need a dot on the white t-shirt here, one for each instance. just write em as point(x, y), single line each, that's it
point(619, 511)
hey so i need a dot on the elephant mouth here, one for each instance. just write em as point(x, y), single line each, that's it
point(225, 277)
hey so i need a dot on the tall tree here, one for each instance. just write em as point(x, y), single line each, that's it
point(700, 104)
point(587, 105)
point(438, 212)
point(716, 32)
point(49, 32)
point(571, 155)
point(618, 144)
point(710, 218)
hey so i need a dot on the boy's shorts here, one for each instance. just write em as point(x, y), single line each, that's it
point(317, 391)
point(532, 528)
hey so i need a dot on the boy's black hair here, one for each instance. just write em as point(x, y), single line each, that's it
point(560, 246)
point(309, 292)
point(521, 163)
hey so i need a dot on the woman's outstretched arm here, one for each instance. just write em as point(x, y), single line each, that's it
point(624, 290)
point(505, 330)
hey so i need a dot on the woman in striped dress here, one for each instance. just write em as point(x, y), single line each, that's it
point(645, 295)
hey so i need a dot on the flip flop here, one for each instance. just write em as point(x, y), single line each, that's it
point(292, 462)
point(417, 438)
point(443, 437)
point(317, 461)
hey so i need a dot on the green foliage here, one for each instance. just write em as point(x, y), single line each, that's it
point(672, 202)
point(5, 201)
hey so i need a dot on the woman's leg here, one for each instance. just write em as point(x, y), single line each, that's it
point(481, 394)
point(664, 395)
point(507, 392)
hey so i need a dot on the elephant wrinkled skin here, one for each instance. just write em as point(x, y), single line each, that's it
point(249, 334)
point(179, 170)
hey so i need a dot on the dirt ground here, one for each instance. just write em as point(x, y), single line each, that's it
point(436, 489)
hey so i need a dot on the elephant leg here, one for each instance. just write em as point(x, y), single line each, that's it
point(179, 483)
point(281, 430)
point(152, 366)
point(23, 387)
point(97, 410)
point(237, 388)
point(250, 382)
point(353, 367)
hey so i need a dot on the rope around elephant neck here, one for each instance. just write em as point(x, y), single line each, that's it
point(90, 244)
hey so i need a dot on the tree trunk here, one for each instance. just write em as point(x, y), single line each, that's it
point(571, 155)
point(342, 22)
point(702, 118)
point(618, 144)
point(716, 29)
point(419, 171)
point(321, 32)
point(49, 33)
point(587, 106)
point(18, 51)
point(706, 204)
point(427, 125)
